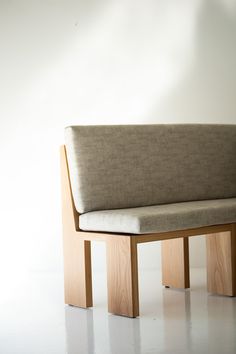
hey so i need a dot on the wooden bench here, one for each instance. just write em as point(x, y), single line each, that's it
point(151, 193)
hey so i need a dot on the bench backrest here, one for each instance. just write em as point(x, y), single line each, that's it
point(136, 165)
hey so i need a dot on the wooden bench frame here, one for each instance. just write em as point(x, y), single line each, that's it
point(122, 264)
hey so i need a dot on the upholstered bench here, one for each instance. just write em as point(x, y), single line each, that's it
point(131, 184)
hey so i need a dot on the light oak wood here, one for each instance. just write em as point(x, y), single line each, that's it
point(122, 276)
point(175, 263)
point(221, 262)
point(77, 252)
point(143, 238)
point(184, 233)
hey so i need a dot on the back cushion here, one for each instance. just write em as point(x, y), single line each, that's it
point(136, 165)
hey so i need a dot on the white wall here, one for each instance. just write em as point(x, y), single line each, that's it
point(98, 62)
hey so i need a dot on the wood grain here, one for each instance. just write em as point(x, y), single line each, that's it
point(184, 233)
point(122, 276)
point(175, 263)
point(143, 238)
point(221, 262)
point(77, 252)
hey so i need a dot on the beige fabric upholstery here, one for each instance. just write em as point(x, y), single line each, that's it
point(139, 165)
point(161, 218)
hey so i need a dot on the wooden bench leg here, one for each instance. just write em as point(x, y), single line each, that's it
point(221, 262)
point(77, 252)
point(77, 272)
point(175, 263)
point(122, 276)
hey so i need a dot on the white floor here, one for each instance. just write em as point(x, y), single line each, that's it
point(33, 319)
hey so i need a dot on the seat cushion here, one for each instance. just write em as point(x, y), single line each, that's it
point(161, 218)
point(127, 166)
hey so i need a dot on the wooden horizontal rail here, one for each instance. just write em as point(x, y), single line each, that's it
point(183, 233)
point(100, 236)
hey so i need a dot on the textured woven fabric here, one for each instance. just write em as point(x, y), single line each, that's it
point(140, 165)
point(161, 218)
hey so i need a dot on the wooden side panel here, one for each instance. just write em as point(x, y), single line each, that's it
point(221, 262)
point(122, 276)
point(77, 251)
point(70, 217)
point(175, 263)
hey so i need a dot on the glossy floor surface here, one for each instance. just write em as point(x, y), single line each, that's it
point(33, 320)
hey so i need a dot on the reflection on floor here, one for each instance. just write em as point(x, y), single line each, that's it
point(34, 320)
